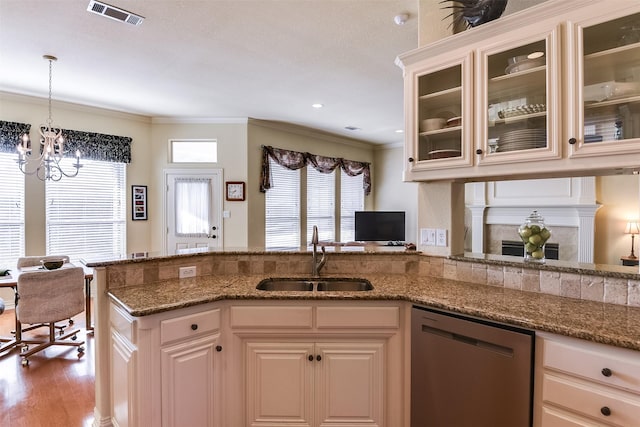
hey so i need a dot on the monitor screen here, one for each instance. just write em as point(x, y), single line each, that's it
point(372, 226)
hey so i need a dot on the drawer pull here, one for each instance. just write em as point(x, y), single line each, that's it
point(318, 358)
point(606, 372)
point(194, 326)
point(218, 348)
point(310, 358)
point(605, 411)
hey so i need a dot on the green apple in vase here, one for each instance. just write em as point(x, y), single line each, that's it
point(534, 237)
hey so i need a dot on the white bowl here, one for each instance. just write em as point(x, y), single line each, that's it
point(432, 124)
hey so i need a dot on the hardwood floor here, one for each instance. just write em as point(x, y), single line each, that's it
point(55, 390)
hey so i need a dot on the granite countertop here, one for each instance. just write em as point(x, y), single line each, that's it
point(604, 323)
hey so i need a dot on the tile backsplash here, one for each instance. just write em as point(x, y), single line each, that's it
point(593, 287)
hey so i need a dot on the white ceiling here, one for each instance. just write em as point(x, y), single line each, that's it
point(265, 59)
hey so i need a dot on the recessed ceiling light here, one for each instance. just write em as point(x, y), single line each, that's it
point(399, 130)
point(352, 128)
point(317, 105)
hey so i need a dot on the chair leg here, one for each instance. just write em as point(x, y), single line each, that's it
point(53, 341)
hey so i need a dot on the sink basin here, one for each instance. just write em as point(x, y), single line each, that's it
point(285, 285)
point(349, 285)
point(328, 284)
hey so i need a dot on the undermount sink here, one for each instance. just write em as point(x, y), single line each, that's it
point(285, 285)
point(344, 285)
point(326, 284)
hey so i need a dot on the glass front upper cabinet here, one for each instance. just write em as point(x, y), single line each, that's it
point(518, 98)
point(610, 90)
point(441, 126)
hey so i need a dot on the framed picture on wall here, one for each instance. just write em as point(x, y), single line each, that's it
point(138, 202)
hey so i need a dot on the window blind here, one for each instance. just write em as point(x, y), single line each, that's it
point(11, 210)
point(282, 204)
point(351, 200)
point(321, 190)
point(86, 215)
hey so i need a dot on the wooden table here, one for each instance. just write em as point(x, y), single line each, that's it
point(12, 282)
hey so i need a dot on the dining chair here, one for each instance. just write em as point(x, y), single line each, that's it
point(46, 297)
point(36, 261)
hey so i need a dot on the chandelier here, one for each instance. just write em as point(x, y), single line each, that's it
point(48, 165)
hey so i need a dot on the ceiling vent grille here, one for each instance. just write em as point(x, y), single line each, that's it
point(113, 12)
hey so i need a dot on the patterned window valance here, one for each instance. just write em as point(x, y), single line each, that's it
point(98, 146)
point(92, 146)
point(294, 160)
point(11, 135)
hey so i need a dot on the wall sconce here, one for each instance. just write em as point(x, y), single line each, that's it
point(633, 229)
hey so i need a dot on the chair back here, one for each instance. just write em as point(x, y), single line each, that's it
point(50, 295)
point(32, 261)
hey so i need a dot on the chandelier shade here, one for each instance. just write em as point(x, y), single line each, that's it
point(47, 165)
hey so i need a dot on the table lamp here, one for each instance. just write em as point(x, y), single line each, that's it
point(632, 228)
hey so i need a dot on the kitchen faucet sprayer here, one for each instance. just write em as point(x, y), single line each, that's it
point(315, 265)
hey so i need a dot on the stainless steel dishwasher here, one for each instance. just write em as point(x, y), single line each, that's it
point(468, 372)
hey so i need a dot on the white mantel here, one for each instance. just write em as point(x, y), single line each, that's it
point(562, 202)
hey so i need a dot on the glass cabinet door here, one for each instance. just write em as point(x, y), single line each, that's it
point(440, 125)
point(609, 93)
point(518, 104)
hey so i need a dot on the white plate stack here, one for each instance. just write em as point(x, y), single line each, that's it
point(523, 139)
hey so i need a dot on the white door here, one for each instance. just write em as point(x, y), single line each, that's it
point(193, 209)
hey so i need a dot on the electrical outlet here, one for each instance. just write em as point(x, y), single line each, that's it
point(441, 237)
point(185, 272)
point(427, 236)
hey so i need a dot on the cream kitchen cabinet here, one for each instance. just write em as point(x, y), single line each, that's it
point(540, 93)
point(318, 364)
point(306, 383)
point(166, 367)
point(581, 383)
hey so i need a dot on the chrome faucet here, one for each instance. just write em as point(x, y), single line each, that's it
point(317, 266)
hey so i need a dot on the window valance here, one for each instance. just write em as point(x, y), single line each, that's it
point(92, 146)
point(98, 146)
point(11, 135)
point(294, 160)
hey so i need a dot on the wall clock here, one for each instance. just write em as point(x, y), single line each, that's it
point(235, 191)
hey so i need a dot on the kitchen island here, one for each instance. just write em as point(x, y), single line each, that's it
point(142, 294)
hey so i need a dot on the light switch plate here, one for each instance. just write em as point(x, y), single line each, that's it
point(441, 237)
point(428, 236)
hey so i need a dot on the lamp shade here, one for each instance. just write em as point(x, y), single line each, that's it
point(632, 228)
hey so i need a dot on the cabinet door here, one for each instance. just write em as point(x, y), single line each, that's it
point(123, 384)
point(518, 101)
point(279, 383)
point(189, 391)
point(438, 119)
point(350, 384)
point(605, 81)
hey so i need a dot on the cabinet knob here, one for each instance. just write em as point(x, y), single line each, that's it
point(479, 151)
point(606, 372)
point(194, 326)
point(410, 159)
point(311, 358)
point(572, 141)
point(318, 358)
point(218, 348)
point(605, 411)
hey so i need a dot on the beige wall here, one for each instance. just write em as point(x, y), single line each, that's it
point(620, 203)
point(232, 155)
point(391, 192)
point(299, 139)
point(70, 116)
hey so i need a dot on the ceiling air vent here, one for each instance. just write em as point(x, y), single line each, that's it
point(113, 12)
